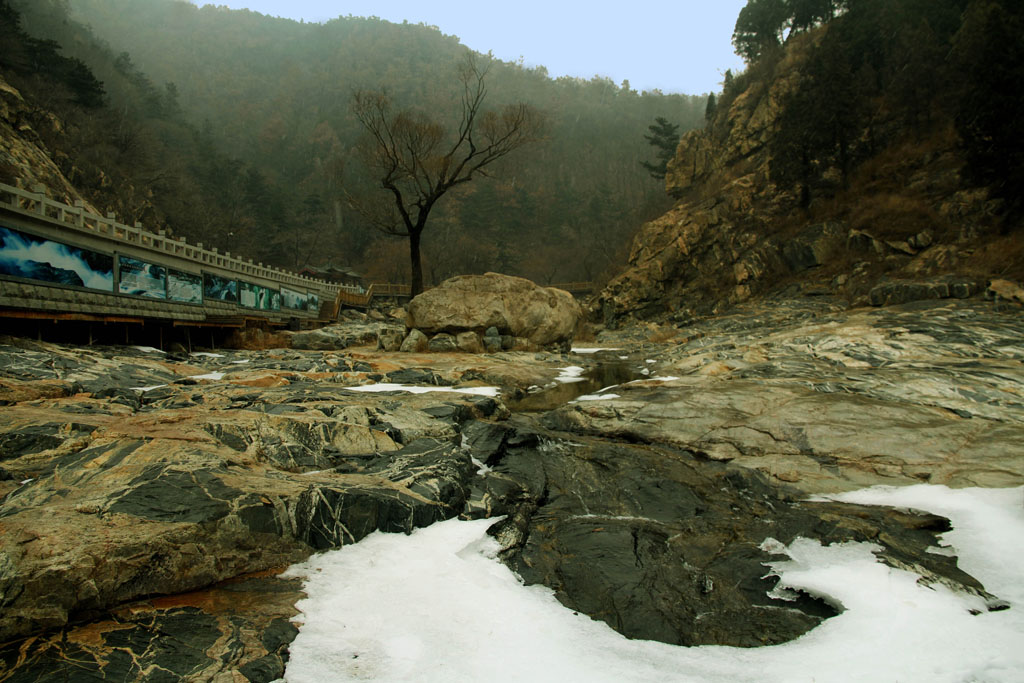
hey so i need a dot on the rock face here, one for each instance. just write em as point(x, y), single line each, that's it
point(513, 306)
point(127, 474)
point(734, 234)
point(662, 544)
point(825, 399)
point(148, 499)
point(23, 147)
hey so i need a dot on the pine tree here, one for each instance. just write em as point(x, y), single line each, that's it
point(664, 138)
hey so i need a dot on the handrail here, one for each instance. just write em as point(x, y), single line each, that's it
point(79, 219)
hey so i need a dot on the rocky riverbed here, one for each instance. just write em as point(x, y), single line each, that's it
point(150, 499)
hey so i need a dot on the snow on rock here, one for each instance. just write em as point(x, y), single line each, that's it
point(438, 606)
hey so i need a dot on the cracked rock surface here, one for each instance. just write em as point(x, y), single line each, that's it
point(827, 399)
point(149, 499)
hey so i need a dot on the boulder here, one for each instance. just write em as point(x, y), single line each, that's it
point(415, 342)
point(1006, 291)
point(390, 339)
point(442, 343)
point(513, 306)
point(469, 342)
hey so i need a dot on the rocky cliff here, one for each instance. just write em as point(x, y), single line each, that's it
point(904, 215)
point(25, 159)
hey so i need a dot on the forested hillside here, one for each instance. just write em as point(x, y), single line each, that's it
point(236, 129)
point(870, 151)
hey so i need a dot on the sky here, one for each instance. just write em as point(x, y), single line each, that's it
point(676, 47)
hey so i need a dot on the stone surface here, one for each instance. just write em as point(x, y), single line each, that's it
point(415, 342)
point(342, 336)
point(662, 544)
point(904, 291)
point(513, 306)
point(135, 483)
point(827, 399)
point(129, 473)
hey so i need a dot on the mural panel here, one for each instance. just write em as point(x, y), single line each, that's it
point(219, 288)
point(36, 258)
point(184, 287)
point(141, 278)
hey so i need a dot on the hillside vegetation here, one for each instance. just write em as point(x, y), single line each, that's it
point(236, 129)
point(869, 145)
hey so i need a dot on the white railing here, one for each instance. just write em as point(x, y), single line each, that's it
point(77, 218)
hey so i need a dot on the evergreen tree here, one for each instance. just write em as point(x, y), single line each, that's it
point(664, 138)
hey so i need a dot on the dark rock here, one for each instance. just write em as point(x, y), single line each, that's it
point(442, 343)
point(241, 626)
point(415, 342)
point(905, 291)
point(662, 546)
point(418, 376)
point(161, 494)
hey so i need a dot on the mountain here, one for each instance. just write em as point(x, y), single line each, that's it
point(250, 143)
point(870, 157)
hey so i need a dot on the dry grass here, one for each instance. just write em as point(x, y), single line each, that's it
point(893, 216)
point(256, 339)
point(1002, 257)
point(662, 333)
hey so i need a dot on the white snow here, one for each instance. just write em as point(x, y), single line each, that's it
point(206, 354)
point(145, 389)
point(667, 378)
point(438, 606)
point(240, 362)
point(595, 397)
point(209, 375)
point(572, 373)
point(412, 389)
point(147, 349)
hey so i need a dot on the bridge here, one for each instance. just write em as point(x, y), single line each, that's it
point(60, 262)
point(63, 263)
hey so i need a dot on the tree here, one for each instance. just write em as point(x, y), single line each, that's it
point(988, 53)
point(416, 162)
point(760, 27)
point(710, 108)
point(664, 138)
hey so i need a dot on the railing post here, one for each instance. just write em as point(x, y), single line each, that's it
point(40, 191)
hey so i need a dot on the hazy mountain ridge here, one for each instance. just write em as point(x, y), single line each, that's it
point(250, 114)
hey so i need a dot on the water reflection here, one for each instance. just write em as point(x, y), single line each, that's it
point(608, 372)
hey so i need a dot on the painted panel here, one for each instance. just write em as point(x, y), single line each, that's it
point(36, 258)
point(141, 278)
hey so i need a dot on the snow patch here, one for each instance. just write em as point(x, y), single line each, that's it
point(595, 397)
point(209, 375)
point(573, 373)
point(147, 349)
point(412, 389)
point(437, 606)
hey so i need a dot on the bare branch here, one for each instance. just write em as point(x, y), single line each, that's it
point(416, 162)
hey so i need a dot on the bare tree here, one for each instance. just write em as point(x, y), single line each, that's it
point(416, 161)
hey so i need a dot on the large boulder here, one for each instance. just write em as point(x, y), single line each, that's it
point(514, 306)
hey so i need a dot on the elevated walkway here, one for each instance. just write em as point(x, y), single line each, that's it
point(61, 262)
